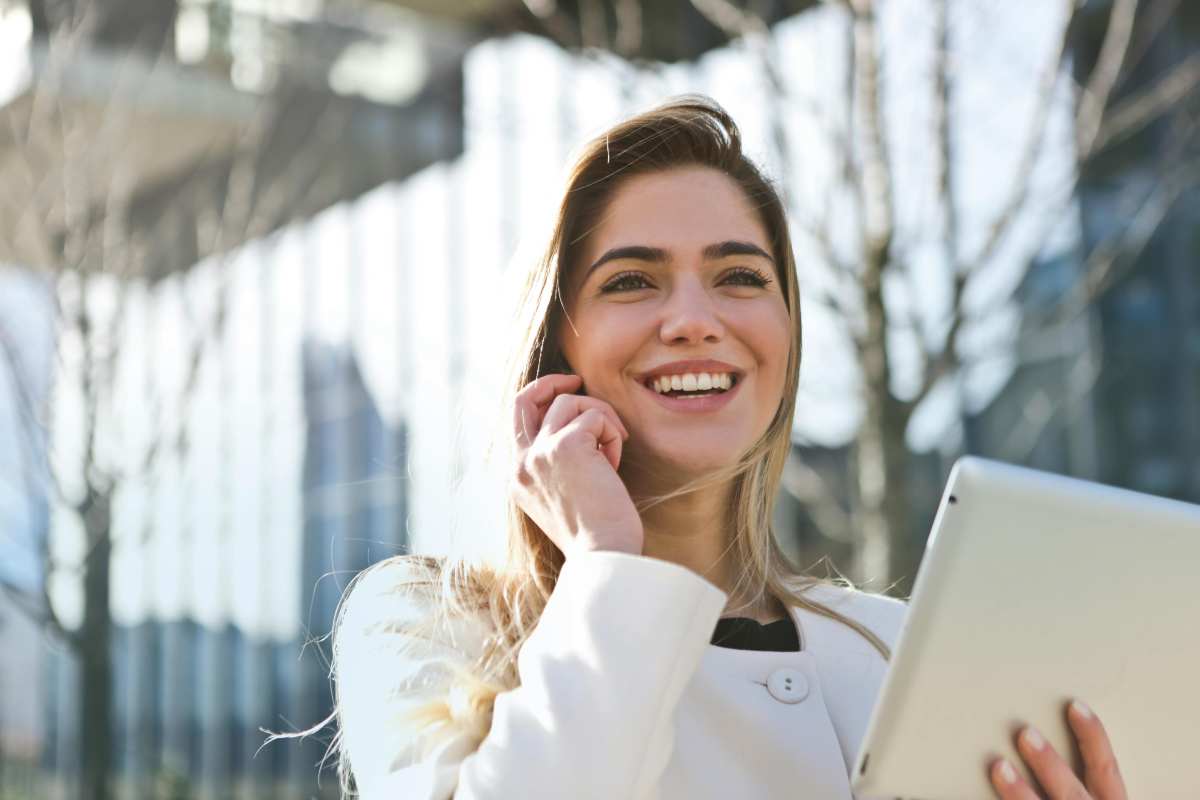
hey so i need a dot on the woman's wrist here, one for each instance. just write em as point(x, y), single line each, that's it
point(630, 543)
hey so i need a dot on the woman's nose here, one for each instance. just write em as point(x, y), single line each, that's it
point(690, 316)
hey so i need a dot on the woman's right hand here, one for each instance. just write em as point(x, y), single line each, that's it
point(1101, 778)
point(568, 450)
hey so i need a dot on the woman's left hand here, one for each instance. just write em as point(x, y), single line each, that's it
point(1101, 778)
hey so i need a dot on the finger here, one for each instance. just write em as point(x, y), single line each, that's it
point(1101, 774)
point(532, 401)
point(1008, 783)
point(598, 427)
point(566, 407)
point(1051, 771)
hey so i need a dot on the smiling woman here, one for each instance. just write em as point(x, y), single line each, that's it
point(685, 290)
point(653, 391)
point(645, 636)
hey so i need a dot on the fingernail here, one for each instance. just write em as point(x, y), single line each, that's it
point(1007, 773)
point(1033, 739)
point(1081, 709)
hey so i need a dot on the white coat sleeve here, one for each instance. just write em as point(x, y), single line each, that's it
point(600, 679)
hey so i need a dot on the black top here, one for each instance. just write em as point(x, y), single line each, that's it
point(743, 633)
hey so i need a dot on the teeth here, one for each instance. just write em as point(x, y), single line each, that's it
point(692, 382)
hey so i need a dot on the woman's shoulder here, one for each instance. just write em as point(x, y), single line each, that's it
point(393, 590)
point(881, 614)
point(402, 600)
point(851, 596)
point(401, 648)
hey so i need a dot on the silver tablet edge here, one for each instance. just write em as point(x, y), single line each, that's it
point(937, 559)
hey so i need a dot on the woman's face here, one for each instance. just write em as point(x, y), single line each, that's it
point(677, 284)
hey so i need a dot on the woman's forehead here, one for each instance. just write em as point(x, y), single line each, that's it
point(681, 210)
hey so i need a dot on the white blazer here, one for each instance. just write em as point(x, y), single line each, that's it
point(622, 697)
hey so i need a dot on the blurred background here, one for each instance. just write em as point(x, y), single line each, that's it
point(254, 262)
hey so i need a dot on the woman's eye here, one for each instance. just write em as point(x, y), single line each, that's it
point(744, 276)
point(626, 281)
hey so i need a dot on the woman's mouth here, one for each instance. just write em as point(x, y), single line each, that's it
point(693, 391)
point(692, 384)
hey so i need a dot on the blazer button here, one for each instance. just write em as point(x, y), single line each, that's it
point(788, 685)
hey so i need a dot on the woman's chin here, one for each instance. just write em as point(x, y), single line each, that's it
point(681, 461)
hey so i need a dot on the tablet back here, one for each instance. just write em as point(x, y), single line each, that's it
point(1036, 589)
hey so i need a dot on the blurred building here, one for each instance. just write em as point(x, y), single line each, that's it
point(1112, 395)
point(355, 513)
point(1148, 394)
point(191, 700)
point(26, 352)
point(190, 92)
point(338, 101)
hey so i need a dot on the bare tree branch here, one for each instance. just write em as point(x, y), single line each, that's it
point(27, 409)
point(808, 487)
point(945, 360)
point(1133, 115)
point(39, 610)
point(1150, 24)
point(1141, 109)
point(1102, 268)
point(628, 39)
point(934, 367)
point(1097, 126)
point(875, 184)
point(557, 25)
point(1093, 99)
point(1023, 174)
point(736, 23)
point(1123, 247)
point(593, 27)
point(817, 231)
point(943, 152)
point(1043, 408)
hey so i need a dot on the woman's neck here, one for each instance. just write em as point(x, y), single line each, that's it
point(693, 530)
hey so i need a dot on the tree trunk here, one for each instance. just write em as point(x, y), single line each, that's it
point(882, 463)
point(95, 664)
point(881, 455)
point(881, 458)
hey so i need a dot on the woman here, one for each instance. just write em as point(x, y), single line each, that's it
point(645, 637)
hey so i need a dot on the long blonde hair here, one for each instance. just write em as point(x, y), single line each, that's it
point(507, 600)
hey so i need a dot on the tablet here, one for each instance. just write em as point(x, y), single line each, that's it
point(1036, 589)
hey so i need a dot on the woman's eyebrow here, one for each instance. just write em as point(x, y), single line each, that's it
point(733, 248)
point(657, 254)
point(634, 252)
